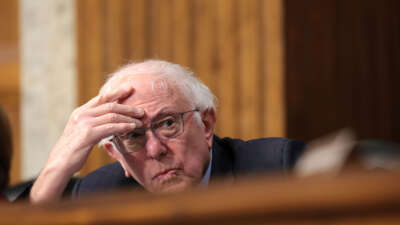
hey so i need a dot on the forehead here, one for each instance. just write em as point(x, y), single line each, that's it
point(152, 93)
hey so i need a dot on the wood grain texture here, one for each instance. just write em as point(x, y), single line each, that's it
point(137, 18)
point(183, 32)
point(274, 68)
point(115, 26)
point(250, 75)
point(161, 30)
point(204, 42)
point(228, 84)
point(342, 69)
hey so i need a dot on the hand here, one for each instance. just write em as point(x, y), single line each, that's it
point(101, 117)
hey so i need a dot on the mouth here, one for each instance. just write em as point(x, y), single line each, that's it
point(166, 173)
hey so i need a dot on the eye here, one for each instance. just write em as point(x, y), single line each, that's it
point(168, 122)
point(135, 135)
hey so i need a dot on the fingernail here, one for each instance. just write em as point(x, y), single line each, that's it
point(139, 111)
point(139, 123)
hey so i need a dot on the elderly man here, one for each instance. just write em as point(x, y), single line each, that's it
point(157, 120)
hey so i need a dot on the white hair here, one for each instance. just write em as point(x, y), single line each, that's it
point(170, 74)
point(195, 91)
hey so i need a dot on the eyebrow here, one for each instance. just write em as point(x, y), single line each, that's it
point(161, 114)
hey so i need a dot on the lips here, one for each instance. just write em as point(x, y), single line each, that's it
point(165, 173)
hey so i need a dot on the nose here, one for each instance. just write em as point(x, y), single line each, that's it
point(155, 149)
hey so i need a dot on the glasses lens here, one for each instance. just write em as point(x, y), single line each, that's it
point(135, 140)
point(168, 127)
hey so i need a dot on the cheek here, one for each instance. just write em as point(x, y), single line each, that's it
point(195, 155)
point(196, 164)
point(136, 166)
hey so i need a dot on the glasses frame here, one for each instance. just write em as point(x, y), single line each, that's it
point(116, 139)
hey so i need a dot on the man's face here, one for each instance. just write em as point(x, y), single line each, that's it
point(174, 164)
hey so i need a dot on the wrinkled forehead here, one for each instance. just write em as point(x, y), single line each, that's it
point(147, 88)
point(143, 84)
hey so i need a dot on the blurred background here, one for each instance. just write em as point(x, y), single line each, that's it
point(298, 69)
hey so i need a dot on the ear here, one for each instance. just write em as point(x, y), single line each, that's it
point(208, 118)
point(114, 153)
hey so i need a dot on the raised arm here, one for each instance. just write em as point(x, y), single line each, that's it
point(101, 117)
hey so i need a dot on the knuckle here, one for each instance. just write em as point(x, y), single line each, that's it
point(110, 128)
point(85, 132)
point(111, 107)
point(83, 125)
point(112, 117)
point(126, 126)
point(75, 116)
point(100, 98)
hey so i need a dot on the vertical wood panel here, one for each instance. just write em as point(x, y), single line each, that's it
point(137, 29)
point(393, 63)
point(227, 74)
point(250, 74)
point(91, 58)
point(384, 90)
point(204, 42)
point(311, 91)
point(162, 30)
point(114, 35)
point(183, 30)
point(341, 67)
point(274, 95)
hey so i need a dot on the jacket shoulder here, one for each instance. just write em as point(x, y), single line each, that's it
point(106, 178)
point(262, 155)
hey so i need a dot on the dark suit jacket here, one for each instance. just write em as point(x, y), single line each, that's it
point(230, 159)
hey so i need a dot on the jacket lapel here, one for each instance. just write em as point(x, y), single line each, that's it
point(222, 160)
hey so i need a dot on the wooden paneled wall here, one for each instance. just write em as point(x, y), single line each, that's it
point(234, 46)
point(9, 77)
point(342, 63)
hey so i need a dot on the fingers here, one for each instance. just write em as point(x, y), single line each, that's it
point(107, 129)
point(114, 118)
point(84, 129)
point(115, 95)
point(116, 108)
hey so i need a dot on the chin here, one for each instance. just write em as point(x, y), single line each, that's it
point(172, 186)
point(174, 189)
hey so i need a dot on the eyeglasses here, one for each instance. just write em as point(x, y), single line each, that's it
point(168, 127)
